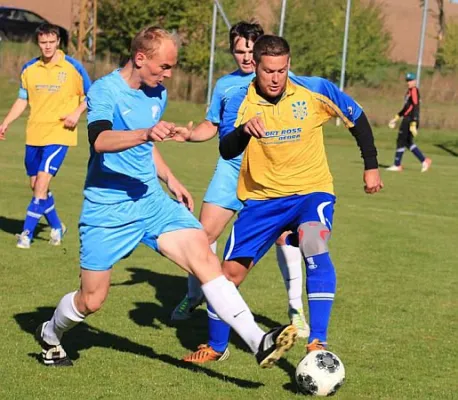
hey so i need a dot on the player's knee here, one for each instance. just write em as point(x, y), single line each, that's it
point(92, 302)
point(313, 238)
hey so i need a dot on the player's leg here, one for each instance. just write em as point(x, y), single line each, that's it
point(219, 206)
point(37, 205)
point(101, 247)
point(289, 260)
point(249, 241)
point(178, 236)
point(425, 161)
point(401, 144)
point(314, 230)
point(52, 161)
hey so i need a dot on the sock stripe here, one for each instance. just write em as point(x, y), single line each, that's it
point(33, 215)
point(213, 315)
point(327, 296)
point(49, 209)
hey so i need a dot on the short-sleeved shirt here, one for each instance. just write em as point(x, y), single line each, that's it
point(225, 87)
point(53, 90)
point(291, 159)
point(129, 174)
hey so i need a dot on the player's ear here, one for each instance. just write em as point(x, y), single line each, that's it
point(139, 59)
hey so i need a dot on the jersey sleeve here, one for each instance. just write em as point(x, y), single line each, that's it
point(100, 102)
point(215, 110)
point(23, 92)
point(232, 112)
point(85, 80)
point(332, 102)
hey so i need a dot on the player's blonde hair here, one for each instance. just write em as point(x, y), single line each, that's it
point(149, 39)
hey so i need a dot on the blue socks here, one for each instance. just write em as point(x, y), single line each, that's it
point(35, 211)
point(417, 153)
point(398, 156)
point(321, 287)
point(50, 213)
point(218, 331)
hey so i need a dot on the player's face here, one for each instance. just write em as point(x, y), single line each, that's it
point(271, 74)
point(48, 45)
point(154, 70)
point(243, 54)
point(411, 84)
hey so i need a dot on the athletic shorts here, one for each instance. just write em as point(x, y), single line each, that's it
point(106, 236)
point(44, 158)
point(261, 222)
point(222, 190)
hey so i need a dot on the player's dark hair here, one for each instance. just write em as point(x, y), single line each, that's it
point(47, 29)
point(247, 30)
point(149, 39)
point(270, 45)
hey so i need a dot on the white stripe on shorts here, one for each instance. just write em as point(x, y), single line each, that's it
point(320, 209)
point(48, 161)
point(231, 245)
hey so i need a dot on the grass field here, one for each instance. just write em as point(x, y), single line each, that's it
point(395, 316)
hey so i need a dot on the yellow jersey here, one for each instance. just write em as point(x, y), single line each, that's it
point(291, 158)
point(53, 90)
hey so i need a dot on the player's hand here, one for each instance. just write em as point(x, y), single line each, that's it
point(372, 181)
point(180, 192)
point(255, 127)
point(160, 132)
point(392, 123)
point(70, 120)
point(413, 128)
point(3, 129)
point(183, 133)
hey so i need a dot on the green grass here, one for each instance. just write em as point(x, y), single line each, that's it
point(395, 317)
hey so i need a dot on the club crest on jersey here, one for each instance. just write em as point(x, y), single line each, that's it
point(300, 109)
point(62, 77)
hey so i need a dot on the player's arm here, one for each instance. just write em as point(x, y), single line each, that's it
point(201, 133)
point(15, 112)
point(174, 185)
point(106, 140)
point(71, 120)
point(336, 103)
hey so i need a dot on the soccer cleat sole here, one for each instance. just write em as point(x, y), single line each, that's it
point(57, 362)
point(283, 343)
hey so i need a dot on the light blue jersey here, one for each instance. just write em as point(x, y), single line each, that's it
point(225, 87)
point(124, 204)
point(129, 174)
point(222, 188)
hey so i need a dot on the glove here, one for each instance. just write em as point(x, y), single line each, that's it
point(392, 123)
point(413, 128)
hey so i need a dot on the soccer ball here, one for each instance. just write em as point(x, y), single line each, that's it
point(320, 373)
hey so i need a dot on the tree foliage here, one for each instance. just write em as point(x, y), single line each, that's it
point(447, 55)
point(191, 19)
point(315, 31)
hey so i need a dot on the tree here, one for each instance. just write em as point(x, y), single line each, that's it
point(447, 55)
point(120, 20)
point(315, 31)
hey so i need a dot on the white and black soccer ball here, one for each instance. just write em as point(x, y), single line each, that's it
point(320, 373)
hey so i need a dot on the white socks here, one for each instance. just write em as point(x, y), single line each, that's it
point(194, 290)
point(289, 260)
point(65, 317)
point(232, 309)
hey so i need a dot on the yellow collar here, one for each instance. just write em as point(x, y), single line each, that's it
point(254, 97)
point(59, 62)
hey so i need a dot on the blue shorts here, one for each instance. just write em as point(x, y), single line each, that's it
point(222, 190)
point(104, 244)
point(261, 222)
point(44, 158)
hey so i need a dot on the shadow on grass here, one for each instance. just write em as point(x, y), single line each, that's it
point(13, 226)
point(450, 147)
point(169, 292)
point(84, 336)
